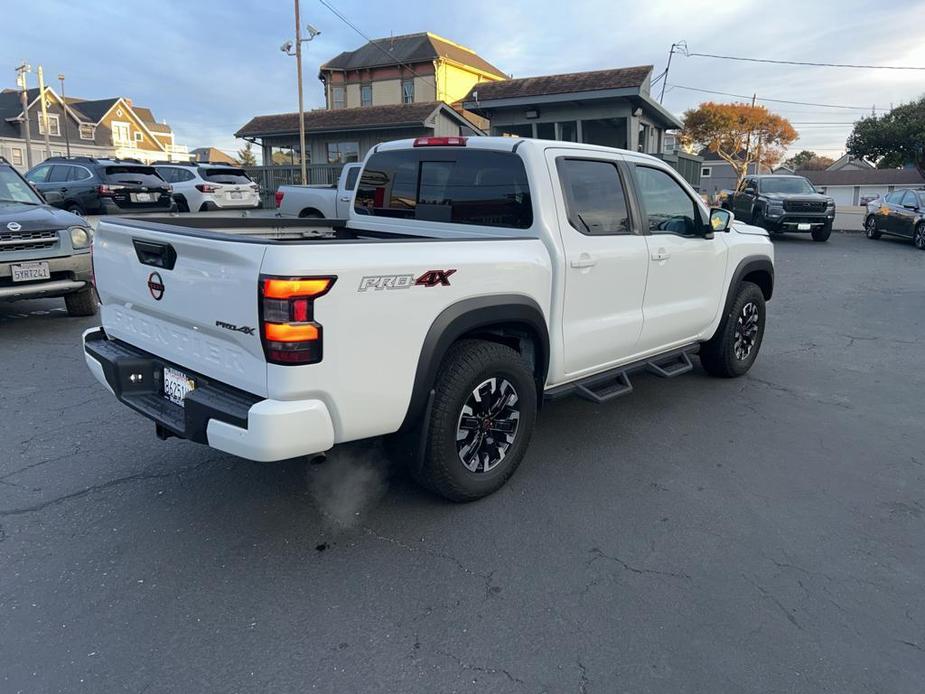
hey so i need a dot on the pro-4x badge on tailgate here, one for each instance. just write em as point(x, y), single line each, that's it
point(246, 329)
point(431, 278)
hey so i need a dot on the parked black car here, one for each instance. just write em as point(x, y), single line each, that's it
point(900, 213)
point(44, 251)
point(784, 203)
point(85, 185)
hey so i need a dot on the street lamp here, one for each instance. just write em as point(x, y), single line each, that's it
point(67, 137)
point(287, 49)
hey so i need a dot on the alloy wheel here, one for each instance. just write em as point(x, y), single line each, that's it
point(746, 331)
point(919, 237)
point(871, 227)
point(487, 425)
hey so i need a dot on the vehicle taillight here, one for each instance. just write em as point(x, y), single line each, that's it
point(206, 188)
point(107, 191)
point(279, 197)
point(289, 332)
point(450, 141)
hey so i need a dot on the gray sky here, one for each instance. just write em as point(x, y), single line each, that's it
point(207, 66)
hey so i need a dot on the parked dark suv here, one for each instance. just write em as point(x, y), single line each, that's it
point(784, 203)
point(85, 185)
point(899, 213)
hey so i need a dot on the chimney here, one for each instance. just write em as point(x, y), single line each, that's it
point(128, 101)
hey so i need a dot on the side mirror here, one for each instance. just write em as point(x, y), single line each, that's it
point(720, 220)
point(751, 190)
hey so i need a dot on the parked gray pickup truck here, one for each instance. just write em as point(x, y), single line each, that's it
point(44, 251)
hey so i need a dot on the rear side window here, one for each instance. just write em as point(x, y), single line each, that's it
point(461, 186)
point(594, 197)
point(60, 173)
point(225, 175)
point(134, 175)
point(351, 181)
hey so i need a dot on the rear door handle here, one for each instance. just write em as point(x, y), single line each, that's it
point(583, 261)
point(345, 198)
point(660, 254)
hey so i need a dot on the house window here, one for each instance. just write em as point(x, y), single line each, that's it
point(338, 95)
point(139, 137)
point(407, 91)
point(705, 172)
point(343, 152)
point(16, 156)
point(546, 131)
point(366, 95)
point(56, 153)
point(54, 125)
point(87, 131)
point(121, 133)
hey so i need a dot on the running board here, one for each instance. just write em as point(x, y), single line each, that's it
point(611, 384)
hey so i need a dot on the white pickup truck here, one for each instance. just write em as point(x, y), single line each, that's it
point(474, 278)
point(320, 202)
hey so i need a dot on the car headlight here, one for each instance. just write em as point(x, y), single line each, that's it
point(80, 236)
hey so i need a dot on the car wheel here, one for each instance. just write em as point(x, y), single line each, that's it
point(74, 208)
point(758, 219)
point(734, 348)
point(82, 303)
point(182, 205)
point(311, 214)
point(481, 420)
point(870, 228)
point(823, 233)
point(918, 236)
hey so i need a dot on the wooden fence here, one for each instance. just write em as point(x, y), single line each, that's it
point(271, 178)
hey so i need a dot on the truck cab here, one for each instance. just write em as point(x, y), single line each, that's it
point(320, 201)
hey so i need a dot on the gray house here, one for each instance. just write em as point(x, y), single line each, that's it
point(716, 174)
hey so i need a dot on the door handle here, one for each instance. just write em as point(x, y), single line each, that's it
point(345, 198)
point(583, 261)
point(660, 254)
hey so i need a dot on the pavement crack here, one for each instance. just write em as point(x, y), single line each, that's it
point(477, 668)
point(598, 554)
point(583, 680)
point(773, 598)
point(913, 644)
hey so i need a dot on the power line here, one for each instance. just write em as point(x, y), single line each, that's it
point(800, 62)
point(777, 101)
point(353, 26)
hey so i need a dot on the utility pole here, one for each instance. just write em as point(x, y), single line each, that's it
point(24, 99)
point(298, 62)
point(674, 47)
point(67, 137)
point(44, 113)
point(748, 141)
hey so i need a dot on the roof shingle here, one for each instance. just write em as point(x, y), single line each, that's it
point(865, 177)
point(618, 78)
point(342, 118)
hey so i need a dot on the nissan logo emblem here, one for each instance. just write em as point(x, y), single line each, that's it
point(156, 286)
point(14, 226)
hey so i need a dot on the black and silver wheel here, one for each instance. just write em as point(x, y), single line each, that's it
point(918, 236)
point(734, 348)
point(870, 228)
point(82, 303)
point(823, 233)
point(481, 420)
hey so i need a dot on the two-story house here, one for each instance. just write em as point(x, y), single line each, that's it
point(112, 127)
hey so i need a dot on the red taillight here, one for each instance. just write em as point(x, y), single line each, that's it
point(106, 191)
point(289, 332)
point(450, 141)
point(279, 197)
point(206, 188)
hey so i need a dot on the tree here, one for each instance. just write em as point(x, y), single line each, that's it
point(246, 155)
point(895, 139)
point(808, 160)
point(741, 134)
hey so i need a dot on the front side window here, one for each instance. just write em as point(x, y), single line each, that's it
point(39, 174)
point(910, 199)
point(594, 196)
point(366, 95)
point(407, 91)
point(60, 173)
point(343, 152)
point(894, 197)
point(483, 188)
point(669, 209)
point(337, 94)
point(14, 189)
point(352, 176)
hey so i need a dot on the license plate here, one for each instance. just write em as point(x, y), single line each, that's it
point(26, 272)
point(235, 195)
point(177, 385)
point(142, 197)
point(804, 227)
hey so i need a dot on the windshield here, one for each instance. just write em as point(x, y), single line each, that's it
point(785, 184)
point(15, 189)
point(226, 175)
point(134, 175)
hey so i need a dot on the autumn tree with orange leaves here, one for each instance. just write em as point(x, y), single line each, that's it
point(741, 134)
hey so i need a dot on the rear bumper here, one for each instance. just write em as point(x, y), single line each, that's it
point(215, 414)
point(109, 206)
point(69, 273)
point(209, 205)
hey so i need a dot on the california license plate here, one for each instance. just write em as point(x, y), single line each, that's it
point(26, 272)
point(142, 197)
point(804, 227)
point(236, 195)
point(177, 385)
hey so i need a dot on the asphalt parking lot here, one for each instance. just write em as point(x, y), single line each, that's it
point(755, 535)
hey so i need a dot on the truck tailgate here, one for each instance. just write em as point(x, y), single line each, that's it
point(187, 299)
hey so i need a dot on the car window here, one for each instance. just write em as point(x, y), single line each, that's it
point(79, 173)
point(462, 186)
point(226, 175)
point(909, 199)
point(134, 175)
point(786, 184)
point(181, 175)
point(39, 174)
point(894, 197)
point(168, 173)
point(14, 189)
point(59, 173)
point(670, 210)
point(594, 197)
point(352, 176)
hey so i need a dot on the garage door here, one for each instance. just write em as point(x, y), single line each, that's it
point(844, 195)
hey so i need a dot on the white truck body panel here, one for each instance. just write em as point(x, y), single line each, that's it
point(329, 202)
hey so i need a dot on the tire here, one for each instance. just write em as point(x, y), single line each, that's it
point(722, 355)
point(311, 214)
point(918, 236)
point(182, 205)
point(82, 303)
point(758, 219)
point(477, 464)
point(74, 208)
point(822, 234)
point(870, 228)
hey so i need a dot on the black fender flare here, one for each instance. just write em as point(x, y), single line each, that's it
point(746, 266)
point(465, 317)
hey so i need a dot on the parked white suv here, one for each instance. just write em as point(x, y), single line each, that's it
point(475, 278)
point(199, 186)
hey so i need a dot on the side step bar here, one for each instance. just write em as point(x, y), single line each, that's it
point(613, 383)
